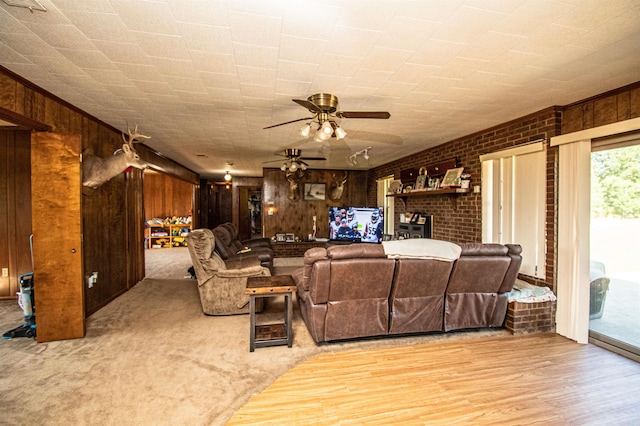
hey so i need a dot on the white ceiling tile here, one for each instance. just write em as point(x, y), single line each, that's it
point(213, 62)
point(385, 59)
point(466, 25)
point(163, 46)
point(255, 56)
point(125, 53)
point(100, 26)
point(207, 38)
point(254, 29)
point(146, 16)
point(349, 41)
point(296, 71)
point(209, 75)
point(407, 33)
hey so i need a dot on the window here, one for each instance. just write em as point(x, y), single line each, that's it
point(513, 202)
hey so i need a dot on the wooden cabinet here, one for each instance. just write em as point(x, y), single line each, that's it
point(166, 235)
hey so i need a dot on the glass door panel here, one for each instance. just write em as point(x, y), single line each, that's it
point(615, 248)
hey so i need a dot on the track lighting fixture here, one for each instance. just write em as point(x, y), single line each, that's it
point(353, 159)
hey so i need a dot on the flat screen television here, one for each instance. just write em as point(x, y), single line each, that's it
point(356, 224)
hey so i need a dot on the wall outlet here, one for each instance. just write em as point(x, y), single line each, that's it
point(5, 272)
point(92, 280)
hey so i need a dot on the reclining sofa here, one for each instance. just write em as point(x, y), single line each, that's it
point(222, 284)
point(415, 286)
point(228, 246)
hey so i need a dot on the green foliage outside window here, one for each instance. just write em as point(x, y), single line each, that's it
point(615, 183)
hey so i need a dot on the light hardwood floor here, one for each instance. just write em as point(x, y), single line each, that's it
point(534, 379)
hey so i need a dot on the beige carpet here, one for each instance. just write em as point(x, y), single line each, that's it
point(152, 357)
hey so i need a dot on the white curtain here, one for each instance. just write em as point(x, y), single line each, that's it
point(574, 193)
point(514, 202)
point(574, 190)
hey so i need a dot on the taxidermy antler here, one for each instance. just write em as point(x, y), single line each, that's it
point(337, 186)
point(96, 170)
point(294, 179)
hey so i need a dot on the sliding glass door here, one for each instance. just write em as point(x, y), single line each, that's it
point(614, 319)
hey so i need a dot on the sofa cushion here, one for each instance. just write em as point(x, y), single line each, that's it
point(355, 251)
point(422, 248)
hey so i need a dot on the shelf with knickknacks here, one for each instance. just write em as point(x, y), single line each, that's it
point(442, 178)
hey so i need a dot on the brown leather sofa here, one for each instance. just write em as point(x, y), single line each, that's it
point(228, 246)
point(357, 290)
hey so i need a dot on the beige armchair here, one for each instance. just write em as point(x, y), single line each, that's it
point(221, 284)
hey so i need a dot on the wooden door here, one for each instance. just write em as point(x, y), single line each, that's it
point(57, 236)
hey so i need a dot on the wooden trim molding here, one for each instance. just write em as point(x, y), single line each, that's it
point(21, 122)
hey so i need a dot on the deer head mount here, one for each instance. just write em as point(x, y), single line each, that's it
point(294, 183)
point(96, 171)
point(337, 186)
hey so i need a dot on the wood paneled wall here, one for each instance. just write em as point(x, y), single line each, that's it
point(617, 105)
point(166, 196)
point(15, 209)
point(112, 215)
point(297, 216)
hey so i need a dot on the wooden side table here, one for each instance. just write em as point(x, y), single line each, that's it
point(270, 334)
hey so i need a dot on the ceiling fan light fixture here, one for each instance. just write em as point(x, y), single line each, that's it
point(228, 177)
point(327, 129)
point(294, 166)
point(340, 134)
point(283, 167)
point(306, 130)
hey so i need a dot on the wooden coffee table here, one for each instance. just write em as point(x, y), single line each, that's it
point(270, 334)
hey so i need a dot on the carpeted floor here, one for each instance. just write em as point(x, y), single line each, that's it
point(152, 357)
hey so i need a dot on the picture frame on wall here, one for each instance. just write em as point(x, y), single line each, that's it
point(395, 187)
point(314, 191)
point(452, 177)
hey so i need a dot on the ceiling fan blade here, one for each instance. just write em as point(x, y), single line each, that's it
point(288, 122)
point(274, 161)
point(308, 105)
point(363, 114)
point(313, 158)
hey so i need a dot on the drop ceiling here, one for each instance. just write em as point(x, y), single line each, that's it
point(203, 78)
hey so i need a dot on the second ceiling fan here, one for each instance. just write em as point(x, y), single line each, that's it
point(324, 106)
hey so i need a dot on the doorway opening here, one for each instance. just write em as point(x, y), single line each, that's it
point(249, 212)
point(614, 314)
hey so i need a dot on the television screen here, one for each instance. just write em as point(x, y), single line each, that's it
point(356, 224)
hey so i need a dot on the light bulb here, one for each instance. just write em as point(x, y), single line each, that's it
point(326, 128)
point(294, 166)
point(227, 177)
point(366, 154)
point(302, 166)
point(304, 132)
point(340, 133)
point(283, 167)
point(318, 137)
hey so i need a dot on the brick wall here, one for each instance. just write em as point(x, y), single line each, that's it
point(524, 318)
point(458, 218)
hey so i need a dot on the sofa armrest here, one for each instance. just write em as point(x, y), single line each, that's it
point(257, 242)
point(244, 272)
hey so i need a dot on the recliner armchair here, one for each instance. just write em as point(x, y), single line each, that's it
point(221, 284)
point(228, 246)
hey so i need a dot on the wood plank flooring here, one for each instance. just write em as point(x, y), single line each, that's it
point(532, 379)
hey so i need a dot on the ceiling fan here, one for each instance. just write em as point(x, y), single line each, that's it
point(324, 106)
point(294, 160)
